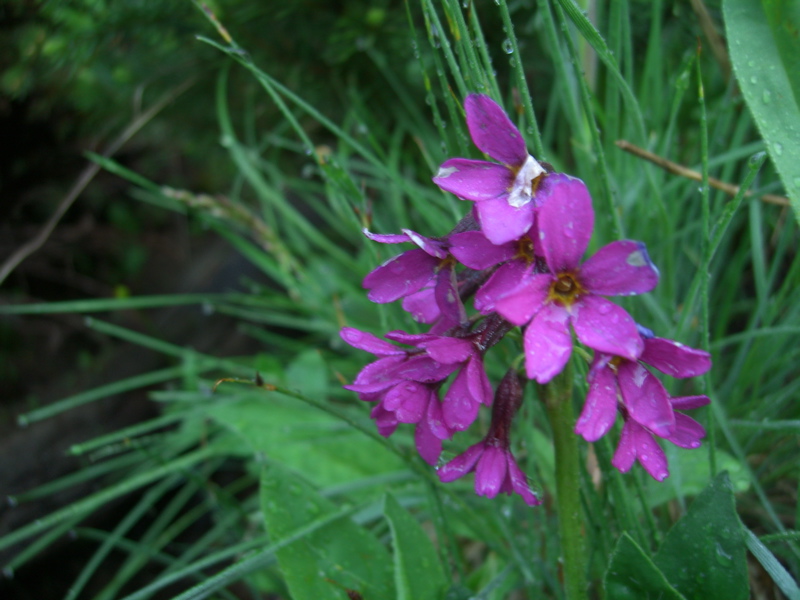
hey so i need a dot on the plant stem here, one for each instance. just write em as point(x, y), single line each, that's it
point(558, 401)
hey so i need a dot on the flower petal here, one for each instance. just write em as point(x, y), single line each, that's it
point(689, 402)
point(687, 433)
point(447, 299)
point(519, 482)
point(435, 419)
point(490, 472)
point(565, 221)
point(548, 343)
point(461, 464)
point(504, 280)
point(424, 369)
point(478, 381)
point(521, 304)
point(606, 327)
point(621, 268)
point(474, 250)
point(421, 306)
point(476, 180)
point(493, 132)
point(675, 359)
point(502, 223)
point(368, 342)
point(637, 443)
point(600, 409)
point(400, 276)
point(385, 420)
point(645, 398)
point(449, 350)
point(428, 445)
point(408, 400)
point(378, 375)
point(460, 407)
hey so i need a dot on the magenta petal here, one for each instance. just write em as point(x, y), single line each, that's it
point(378, 375)
point(689, 402)
point(384, 419)
point(600, 409)
point(519, 483)
point(475, 180)
point(449, 350)
point(493, 132)
point(645, 398)
point(386, 238)
point(422, 306)
point(502, 223)
point(460, 407)
point(606, 327)
point(428, 445)
point(424, 369)
point(401, 275)
point(687, 433)
point(435, 419)
point(519, 305)
point(650, 454)
point(479, 386)
point(504, 280)
point(447, 298)
point(675, 359)
point(408, 400)
point(565, 221)
point(548, 343)
point(474, 250)
point(625, 455)
point(431, 246)
point(621, 268)
point(461, 464)
point(490, 472)
point(412, 339)
point(368, 342)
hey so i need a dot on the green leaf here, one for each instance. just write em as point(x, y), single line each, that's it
point(758, 51)
point(329, 561)
point(324, 449)
point(632, 575)
point(704, 555)
point(418, 574)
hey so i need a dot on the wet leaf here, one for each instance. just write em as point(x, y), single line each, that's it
point(763, 41)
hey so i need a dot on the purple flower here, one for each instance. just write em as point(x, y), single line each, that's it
point(571, 293)
point(638, 443)
point(616, 383)
point(625, 386)
point(415, 271)
point(503, 193)
point(494, 465)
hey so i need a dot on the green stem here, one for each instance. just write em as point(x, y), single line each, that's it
point(558, 401)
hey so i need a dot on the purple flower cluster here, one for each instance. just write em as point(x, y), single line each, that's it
point(518, 256)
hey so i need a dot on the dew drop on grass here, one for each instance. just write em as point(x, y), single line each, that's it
point(8, 572)
point(753, 79)
point(508, 47)
point(766, 96)
point(11, 501)
point(778, 147)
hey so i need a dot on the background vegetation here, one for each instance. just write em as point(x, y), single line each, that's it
point(222, 242)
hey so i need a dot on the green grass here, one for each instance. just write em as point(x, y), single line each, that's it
point(729, 283)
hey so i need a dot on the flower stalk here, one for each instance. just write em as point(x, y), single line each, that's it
point(558, 401)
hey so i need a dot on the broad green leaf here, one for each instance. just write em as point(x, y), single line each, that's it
point(632, 575)
point(333, 559)
point(703, 555)
point(783, 17)
point(322, 448)
point(757, 52)
point(418, 574)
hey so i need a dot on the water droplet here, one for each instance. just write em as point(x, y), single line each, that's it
point(508, 47)
point(22, 421)
point(8, 572)
point(12, 501)
point(207, 308)
point(778, 147)
point(751, 63)
point(766, 96)
point(796, 182)
point(754, 79)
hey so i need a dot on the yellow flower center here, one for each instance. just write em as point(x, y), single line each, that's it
point(565, 289)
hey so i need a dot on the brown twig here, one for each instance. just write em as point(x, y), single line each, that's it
point(85, 177)
point(677, 169)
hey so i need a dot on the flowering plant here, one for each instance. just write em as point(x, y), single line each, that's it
point(517, 254)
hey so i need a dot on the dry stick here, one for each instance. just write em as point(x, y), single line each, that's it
point(677, 169)
point(86, 176)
